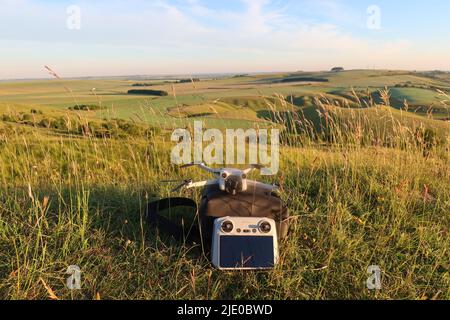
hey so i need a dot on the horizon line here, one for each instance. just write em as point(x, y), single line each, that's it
point(161, 76)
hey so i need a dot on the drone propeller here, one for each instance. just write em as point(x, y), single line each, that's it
point(188, 165)
point(201, 166)
point(181, 186)
point(169, 181)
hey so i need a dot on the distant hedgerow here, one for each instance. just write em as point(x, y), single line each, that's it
point(148, 92)
point(86, 107)
point(145, 84)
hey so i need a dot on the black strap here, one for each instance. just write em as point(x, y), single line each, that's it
point(189, 234)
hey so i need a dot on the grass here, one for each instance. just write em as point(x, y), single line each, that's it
point(360, 194)
point(81, 201)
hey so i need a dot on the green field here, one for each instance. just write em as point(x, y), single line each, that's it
point(61, 94)
point(365, 171)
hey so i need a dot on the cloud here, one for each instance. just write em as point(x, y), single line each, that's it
point(335, 10)
point(261, 25)
point(192, 35)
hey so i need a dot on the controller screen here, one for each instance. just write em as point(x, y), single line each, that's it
point(246, 252)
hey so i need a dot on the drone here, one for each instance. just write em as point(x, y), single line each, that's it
point(229, 180)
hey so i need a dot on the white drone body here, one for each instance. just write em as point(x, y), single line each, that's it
point(229, 180)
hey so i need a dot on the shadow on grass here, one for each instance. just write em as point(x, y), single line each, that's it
point(118, 212)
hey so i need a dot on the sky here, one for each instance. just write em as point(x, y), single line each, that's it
point(155, 37)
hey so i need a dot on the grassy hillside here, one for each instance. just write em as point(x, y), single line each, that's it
point(73, 200)
point(420, 92)
point(366, 182)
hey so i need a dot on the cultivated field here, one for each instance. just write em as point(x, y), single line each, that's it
point(365, 169)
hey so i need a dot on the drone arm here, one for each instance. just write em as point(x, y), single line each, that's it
point(253, 167)
point(247, 171)
point(204, 167)
point(268, 187)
